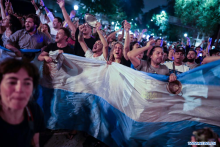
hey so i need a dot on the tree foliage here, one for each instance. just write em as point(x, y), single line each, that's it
point(201, 14)
point(114, 9)
point(161, 20)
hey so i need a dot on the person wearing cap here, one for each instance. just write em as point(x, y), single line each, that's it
point(191, 56)
point(179, 56)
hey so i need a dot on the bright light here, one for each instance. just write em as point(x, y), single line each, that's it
point(55, 11)
point(148, 37)
point(185, 35)
point(132, 19)
point(163, 12)
point(151, 19)
point(113, 23)
point(76, 7)
point(144, 36)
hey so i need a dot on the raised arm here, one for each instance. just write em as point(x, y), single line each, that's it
point(132, 54)
point(61, 3)
point(49, 14)
point(112, 34)
point(208, 46)
point(188, 41)
point(2, 9)
point(122, 36)
point(102, 38)
point(126, 49)
point(81, 39)
point(143, 31)
point(34, 4)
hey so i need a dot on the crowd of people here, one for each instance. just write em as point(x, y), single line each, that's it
point(50, 33)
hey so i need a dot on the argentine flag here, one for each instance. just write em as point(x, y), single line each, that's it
point(124, 107)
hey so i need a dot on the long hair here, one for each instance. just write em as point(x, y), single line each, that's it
point(15, 23)
point(13, 66)
point(111, 56)
point(151, 53)
point(47, 27)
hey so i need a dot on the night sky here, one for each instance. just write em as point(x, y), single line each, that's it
point(150, 4)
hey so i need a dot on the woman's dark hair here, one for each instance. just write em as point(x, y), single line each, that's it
point(132, 44)
point(15, 23)
point(47, 27)
point(13, 66)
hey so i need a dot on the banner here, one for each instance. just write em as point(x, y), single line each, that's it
point(124, 107)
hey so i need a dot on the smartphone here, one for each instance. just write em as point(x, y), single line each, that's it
point(200, 54)
point(213, 47)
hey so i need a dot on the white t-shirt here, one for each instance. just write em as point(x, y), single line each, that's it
point(89, 54)
point(179, 69)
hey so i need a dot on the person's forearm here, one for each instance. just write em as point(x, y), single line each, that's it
point(2, 11)
point(35, 7)
point(105, 44)
point(126, 45)
point(68, 20)
point(111, 35)
point(139, 38)
point(82, 42)
point(207, 49)
point(102, 38)
point(135, 52)
point(122, 36)
point(41, 57)
point(46, 9)
point(11, 47)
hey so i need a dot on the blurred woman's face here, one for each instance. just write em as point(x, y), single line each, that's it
point(5, 22)
point(44, 28)
point(16, 90)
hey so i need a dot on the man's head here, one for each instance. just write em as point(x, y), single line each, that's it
point(179, 55)
point(151, 38)
point(57, 22)
point(32, 23)
point(191, 56)
point(198, 50)
point(97, 47)
point(156, 55)
point(87, 29)
point(62, 35)
point(215, 52)
point(131, 37)
point(165, 55)
point(158, 42)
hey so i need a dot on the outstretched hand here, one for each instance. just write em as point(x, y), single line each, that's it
point(127, 26)
point(33, 2)
point(42, 3)
point(61, 3)
point(172, 77)
point(98, 26)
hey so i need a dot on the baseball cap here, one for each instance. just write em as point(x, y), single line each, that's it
point(180, 49)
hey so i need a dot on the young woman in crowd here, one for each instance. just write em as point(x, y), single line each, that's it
point(45, 29)
point(21, 119)
point(119, 51)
